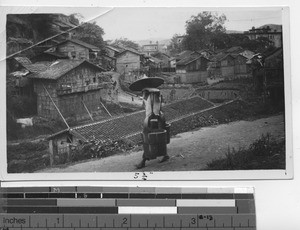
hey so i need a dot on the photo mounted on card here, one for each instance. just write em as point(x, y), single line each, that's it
point(156, 93)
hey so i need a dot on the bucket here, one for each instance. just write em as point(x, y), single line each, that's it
point(158, 143)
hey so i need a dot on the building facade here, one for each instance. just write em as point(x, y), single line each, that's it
point(71, 88)
point(192, 69)
point(127, 61)
point(272, 32)
point(76, 49)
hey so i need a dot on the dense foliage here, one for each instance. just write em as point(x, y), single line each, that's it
point(124, 42)
point(202, 29)
point(90, 33)
point(264, 153)
point(175, 46)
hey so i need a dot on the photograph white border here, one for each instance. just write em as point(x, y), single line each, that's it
point(158, 176)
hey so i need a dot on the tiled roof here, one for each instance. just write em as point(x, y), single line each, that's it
point(219, 56)
point(59, 68)
point(22, 60)
point(124, 126)
point(184, 54)
point(159, 54)
point(155, 60)
point(234, 49)
point(189, 59)
point(82, 43)
point(128, 50)
point(37, 67)
point(114, 48)
point(56, 54)
point(20, 40)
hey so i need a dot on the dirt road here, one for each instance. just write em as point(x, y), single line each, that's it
point(189, 151)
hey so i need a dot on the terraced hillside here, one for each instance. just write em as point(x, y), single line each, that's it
point(124, 126)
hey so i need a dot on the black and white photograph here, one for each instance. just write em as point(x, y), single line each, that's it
point(147, 89)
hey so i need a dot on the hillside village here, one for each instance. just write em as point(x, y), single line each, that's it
point(81, 90)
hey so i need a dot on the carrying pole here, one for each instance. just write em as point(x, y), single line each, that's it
point(56, 107)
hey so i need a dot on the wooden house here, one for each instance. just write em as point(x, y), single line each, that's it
point(127, 61)
point(49, 56)
point(112, 51)
point(165, 59)
point(150, 48)
point(16, 63)
point(76, 49)
point(18, 69)
point(184, 54)
point(69, 88)
point(227, 68)
point(274, 73)
point(192, 69)
point(206, 53)
point(241, 68)
point(271, 31)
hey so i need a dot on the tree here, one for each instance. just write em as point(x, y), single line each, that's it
point(90, 33)
point(175, 46)
point(125, 43)
point(201, 29)
point(74, 18)
point(228, 40)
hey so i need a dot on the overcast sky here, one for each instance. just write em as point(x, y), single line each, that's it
point(137, 23)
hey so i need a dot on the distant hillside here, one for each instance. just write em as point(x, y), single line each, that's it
point(161, 41)
point(273, 27)
point(234, 32)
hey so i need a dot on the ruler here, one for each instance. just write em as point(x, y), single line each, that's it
point(124, 208)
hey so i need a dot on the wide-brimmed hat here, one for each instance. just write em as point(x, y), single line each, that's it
point(146, 82)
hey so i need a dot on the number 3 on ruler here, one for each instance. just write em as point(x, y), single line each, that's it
point(193, 220)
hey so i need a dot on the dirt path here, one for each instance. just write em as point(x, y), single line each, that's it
point(123, 96)
point(189, 151)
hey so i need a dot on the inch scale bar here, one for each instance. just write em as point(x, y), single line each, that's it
point(131, 221)
point(127, 208)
